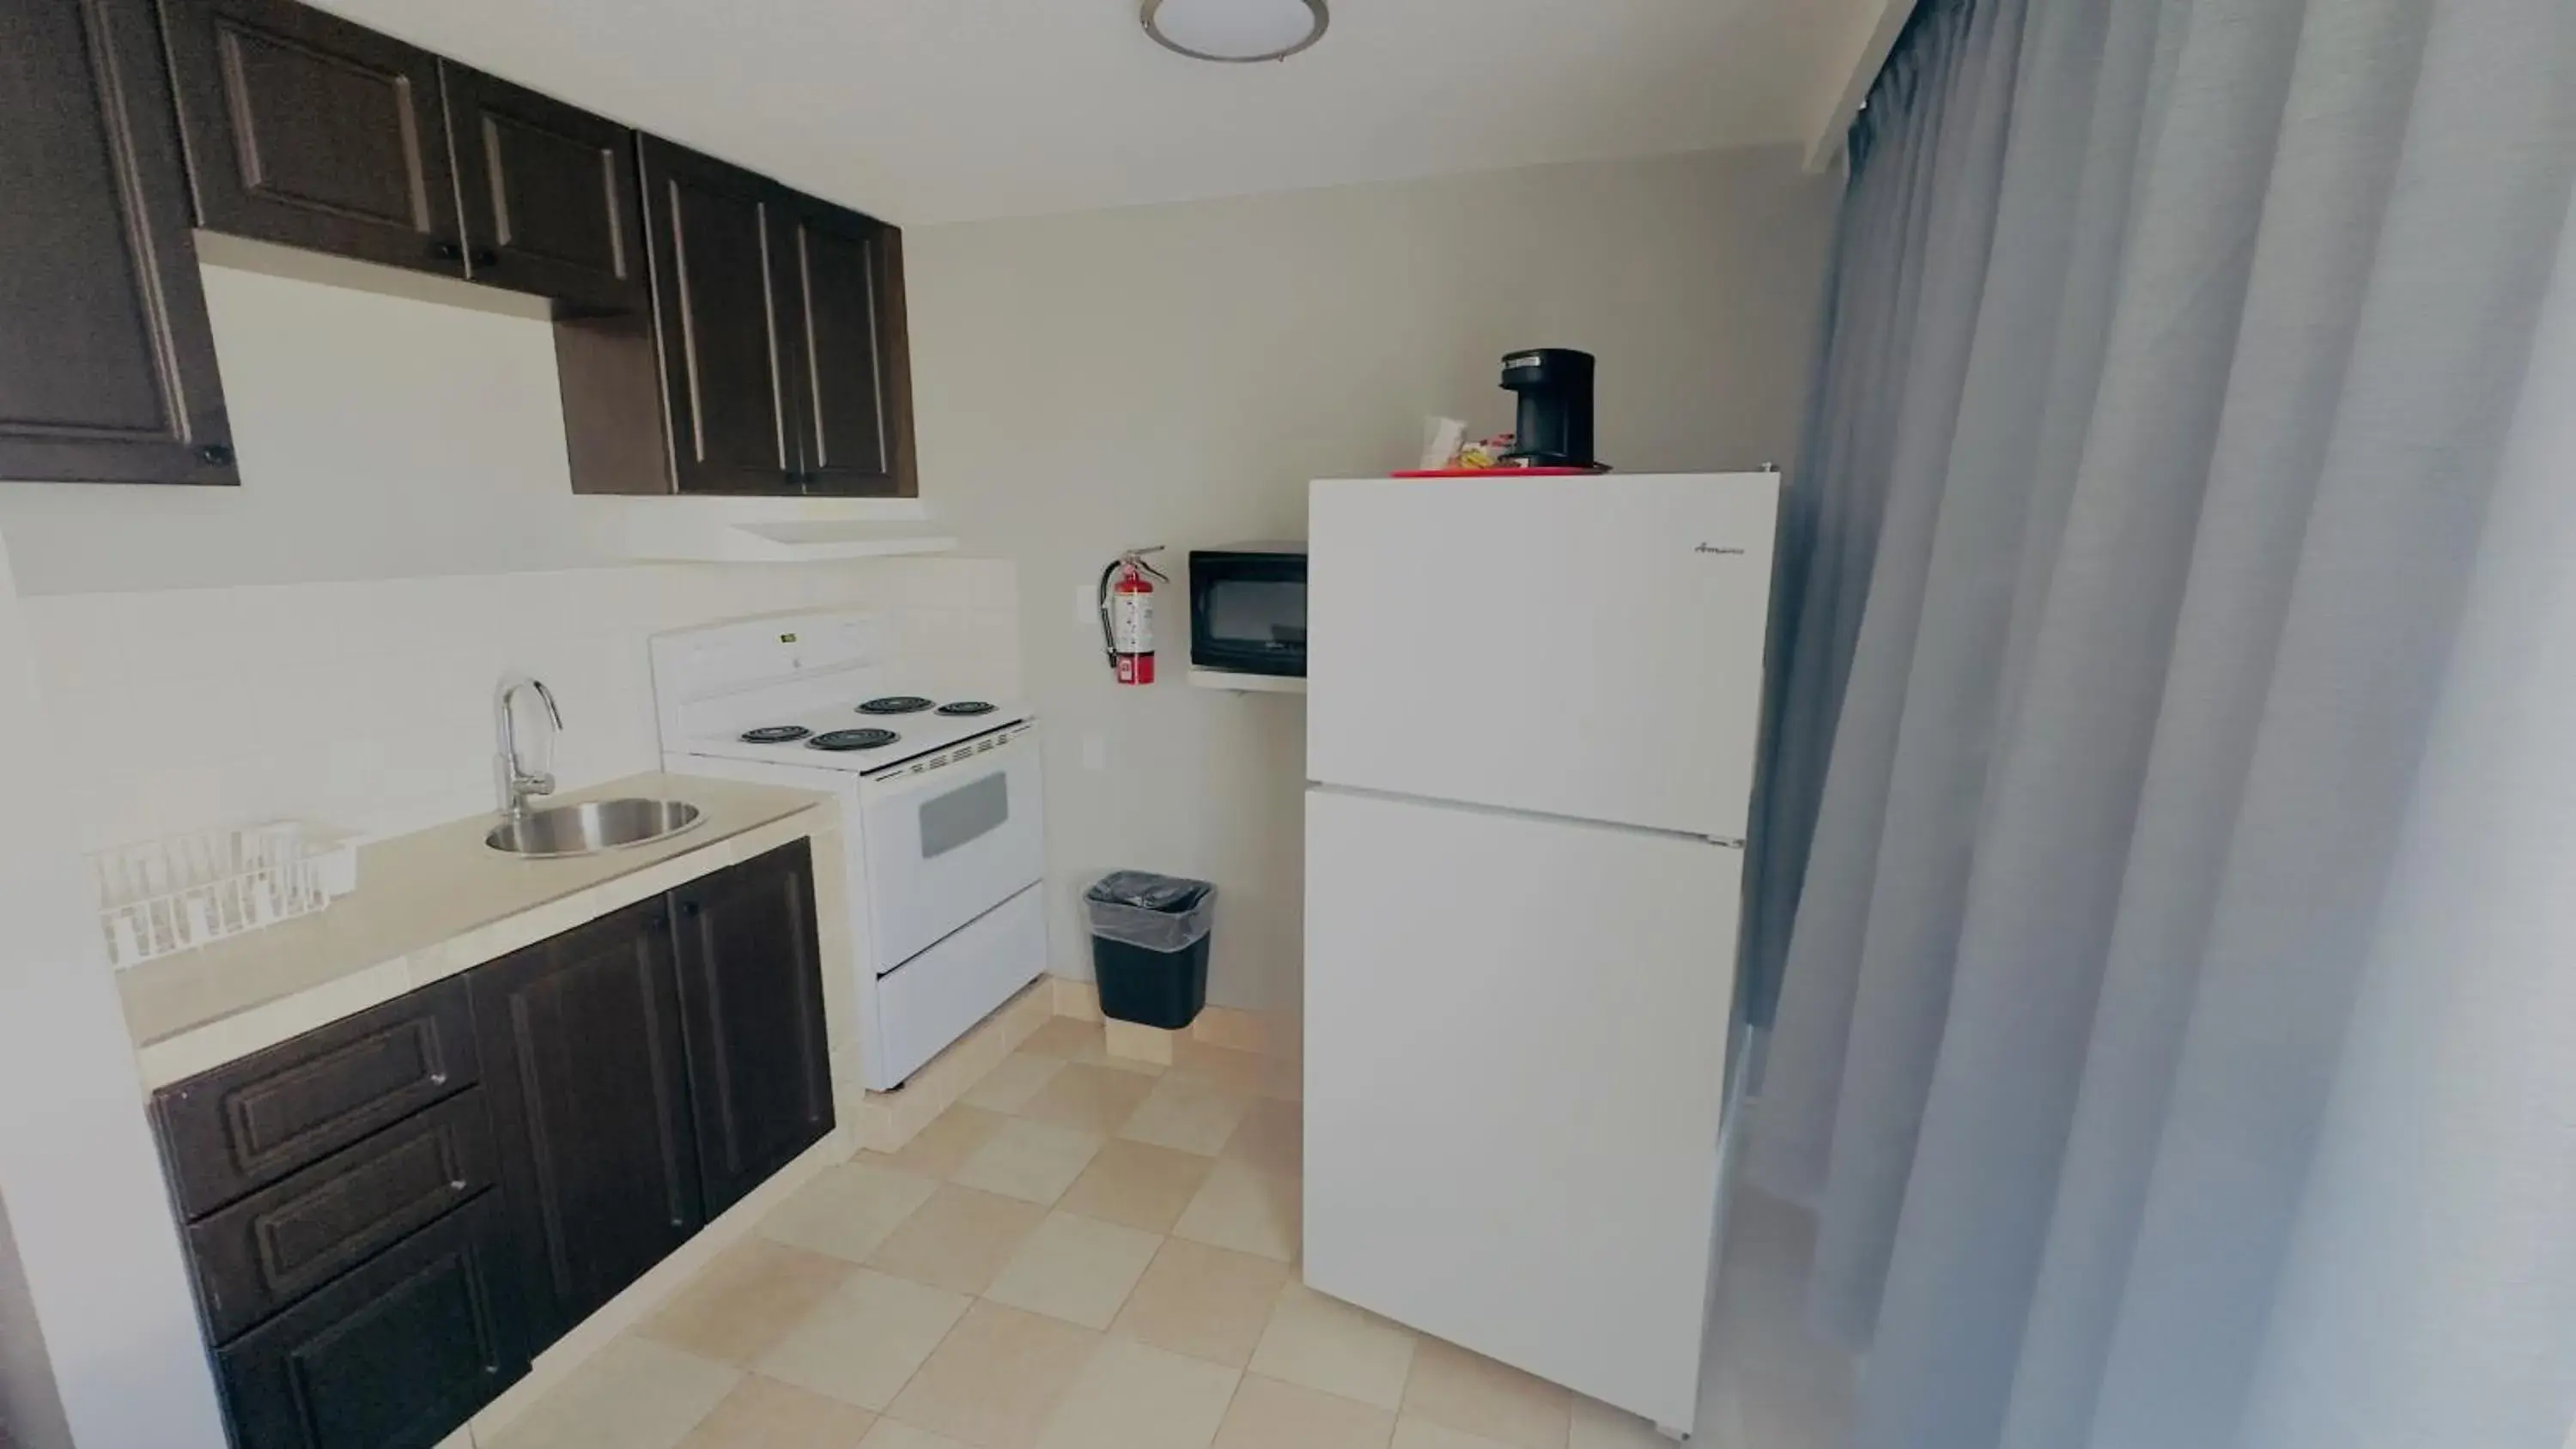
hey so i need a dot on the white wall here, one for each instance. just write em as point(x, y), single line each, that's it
point(320, 642)
point(323, 640)
point(368, 705)
point(1176, 374)
point(102, 1340)
point(380, 437)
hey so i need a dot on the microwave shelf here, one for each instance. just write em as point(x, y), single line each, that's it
point(1242, 683)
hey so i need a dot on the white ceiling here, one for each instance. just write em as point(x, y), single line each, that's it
point(944, 110)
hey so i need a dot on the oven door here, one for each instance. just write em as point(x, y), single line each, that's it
point(948, 844)
point(1248, 613)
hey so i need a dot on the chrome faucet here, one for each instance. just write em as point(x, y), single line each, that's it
point(516, 783)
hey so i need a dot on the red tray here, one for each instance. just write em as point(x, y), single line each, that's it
point(1496, 472)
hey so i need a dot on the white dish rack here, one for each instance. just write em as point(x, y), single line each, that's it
point(160, 897)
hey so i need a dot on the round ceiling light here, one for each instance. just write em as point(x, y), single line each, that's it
point(1236, 30)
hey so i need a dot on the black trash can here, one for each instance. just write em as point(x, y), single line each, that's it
point(1149, 946)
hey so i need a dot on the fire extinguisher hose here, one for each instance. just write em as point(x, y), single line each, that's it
point(1108, 637)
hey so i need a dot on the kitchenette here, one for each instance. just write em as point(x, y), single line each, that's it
point(441, 1124)
point(569, 702)
point(420, 420)
point(523, 1073)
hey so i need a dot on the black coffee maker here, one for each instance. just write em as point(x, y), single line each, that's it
point(1555, 387)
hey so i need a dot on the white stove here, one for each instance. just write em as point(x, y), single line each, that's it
point(943, 821)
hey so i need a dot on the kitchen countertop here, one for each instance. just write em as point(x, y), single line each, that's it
point(428, 905)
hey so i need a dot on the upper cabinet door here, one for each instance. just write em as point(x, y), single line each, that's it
point(107, 364)
point(713, 232)
point(851, 363)
point(549, 195)
point(307, 130)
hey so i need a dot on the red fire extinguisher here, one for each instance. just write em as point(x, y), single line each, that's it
point(1127, 615)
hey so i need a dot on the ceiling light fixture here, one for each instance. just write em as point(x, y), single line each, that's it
point(1236, 31)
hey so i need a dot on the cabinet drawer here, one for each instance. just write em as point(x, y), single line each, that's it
point(286, 1240)
point(396, 1355)
point(249, 1123)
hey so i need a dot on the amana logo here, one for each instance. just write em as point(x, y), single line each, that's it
point(1718, 549)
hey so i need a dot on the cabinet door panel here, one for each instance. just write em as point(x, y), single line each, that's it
point(396, 1355)
point(107, 362)
point(589, 1097)
point(751, 996)
point(853, 371)
point(250, 1122)
point(307, 130)
point(285, 1241)
point(549, 194)
point(834, 326)
point(710, 226)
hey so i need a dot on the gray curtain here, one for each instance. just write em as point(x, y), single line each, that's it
point(2179, 354)
point(1866, 367)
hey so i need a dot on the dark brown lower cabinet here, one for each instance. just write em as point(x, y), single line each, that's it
point(283, 1242)
point(394, 1355)
point(251, 1121)
point(589, 1092)
point(391, 1215)
point(751, 994)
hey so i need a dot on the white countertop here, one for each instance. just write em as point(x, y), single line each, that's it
point(428, 905)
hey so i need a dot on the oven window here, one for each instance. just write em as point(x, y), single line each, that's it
point(1265, 614)
point(949, 821)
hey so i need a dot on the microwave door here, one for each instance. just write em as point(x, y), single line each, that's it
point(1249, 616)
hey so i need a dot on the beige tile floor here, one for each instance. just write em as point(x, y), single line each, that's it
point(1089, 1254)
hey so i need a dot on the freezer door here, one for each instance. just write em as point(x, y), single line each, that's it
point(1516, 1041)
point(1588, 647)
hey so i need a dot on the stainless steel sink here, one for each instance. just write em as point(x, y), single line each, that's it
point(589, 829)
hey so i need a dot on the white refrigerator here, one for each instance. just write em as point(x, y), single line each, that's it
point(1532, 714)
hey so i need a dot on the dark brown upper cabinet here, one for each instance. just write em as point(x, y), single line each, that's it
point(717, 277)
point(587, 1080)
point(305, 129)
point(849, 363)
point(107, 364)
point(777, 347)
point(751, 998)
point(716, 332)
point(548, 193)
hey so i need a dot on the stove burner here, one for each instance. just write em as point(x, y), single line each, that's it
point(774, 734)
point(837, 740)
point(966, 706)
point(896, 704)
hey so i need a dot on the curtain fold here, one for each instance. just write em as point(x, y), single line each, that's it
point(1830, 519)
point(2165, 394)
